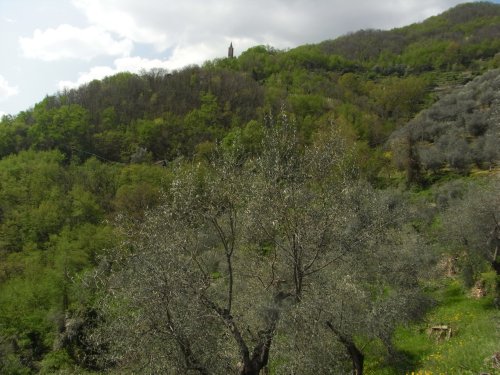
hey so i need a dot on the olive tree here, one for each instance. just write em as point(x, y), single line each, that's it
point(242, 256)
point(180, 284)
point(182, 293)
point(472, 222)
point(362, 287)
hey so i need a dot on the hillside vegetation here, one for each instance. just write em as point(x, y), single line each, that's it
point(314, 210)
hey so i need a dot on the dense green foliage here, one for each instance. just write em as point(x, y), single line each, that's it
point(84, 162)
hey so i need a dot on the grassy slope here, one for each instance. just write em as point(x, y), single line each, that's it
point(476, 337)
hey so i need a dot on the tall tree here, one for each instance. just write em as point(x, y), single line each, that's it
point(238, 257)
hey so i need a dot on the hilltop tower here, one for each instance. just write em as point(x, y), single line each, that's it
point(230, 51)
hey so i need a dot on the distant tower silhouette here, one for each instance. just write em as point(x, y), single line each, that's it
point(230, 51)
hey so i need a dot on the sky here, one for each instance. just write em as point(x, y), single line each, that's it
point(49, 45)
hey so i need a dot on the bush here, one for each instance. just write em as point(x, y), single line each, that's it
point(476, 123)
point(55, 362)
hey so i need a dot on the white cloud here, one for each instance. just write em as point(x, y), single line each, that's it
point(6, 90)
point(167, 24)
point(111, 16)
point(126, 64)
point(136, 64)
point(281, 23)
point(97, 72)
point(192, 54)
point(69, 42)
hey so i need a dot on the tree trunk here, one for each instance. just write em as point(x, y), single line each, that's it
point(496, 266)
point(357, 357)
point(413, 173)
point(250, 369)
point(260, 355)
point(258, 361)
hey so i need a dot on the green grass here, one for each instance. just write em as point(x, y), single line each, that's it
point(476, 337)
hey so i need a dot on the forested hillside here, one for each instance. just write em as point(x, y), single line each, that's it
point(312, 211)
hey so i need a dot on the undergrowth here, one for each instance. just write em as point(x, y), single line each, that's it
point(475, 338)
